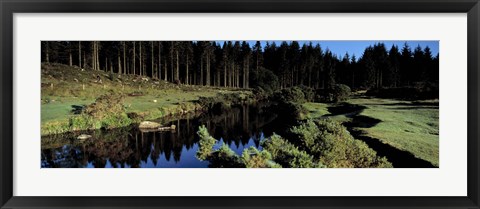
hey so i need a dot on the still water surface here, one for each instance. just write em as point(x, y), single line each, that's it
point(239, 127)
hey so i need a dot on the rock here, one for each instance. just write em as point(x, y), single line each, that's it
point(149, 125)
point(167, 128)
point(84, 136)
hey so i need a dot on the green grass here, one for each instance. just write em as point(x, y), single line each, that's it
point(405, 125)
point(59, 108)
point(413, 128)
point(316, 110)
point(64, 86)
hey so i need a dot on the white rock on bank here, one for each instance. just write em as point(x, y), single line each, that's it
point(149, 125)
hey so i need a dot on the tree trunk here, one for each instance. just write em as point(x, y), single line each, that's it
point(186, 73)
point(225, 74)
point(70, 53)
point(208, 70)
point(201, 71)
point(119, 62)
point(47, 55)
point(151, 55)
point(70, 57)
point(84, 58)
point(159, 60)
point(177, 72)
point(98, 55)
point(244, 81)
point(124, 60)
point(230, 77)
point(141, 59)
point(134, 58)
point(171, 63)
point(166, 69)
point(248, 73)
point(94, 63)
point(80, 54)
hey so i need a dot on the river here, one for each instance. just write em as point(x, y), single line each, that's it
point(240, 127)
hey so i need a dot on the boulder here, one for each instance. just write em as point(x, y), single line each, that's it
point(149, 125)
point(167, 128)
point(84, 136)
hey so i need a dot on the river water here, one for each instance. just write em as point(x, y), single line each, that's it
point(240, 127)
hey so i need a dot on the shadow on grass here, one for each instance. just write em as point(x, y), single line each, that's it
point(398, 158)
point(418, 104)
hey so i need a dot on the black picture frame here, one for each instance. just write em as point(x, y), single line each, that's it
point(10, 7)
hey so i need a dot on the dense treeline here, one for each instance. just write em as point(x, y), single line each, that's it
point(237, 64)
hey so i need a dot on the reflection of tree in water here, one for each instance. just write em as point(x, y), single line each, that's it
point(129, 147)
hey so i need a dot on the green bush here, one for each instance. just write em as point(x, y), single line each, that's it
point(287, 155)
point(293, 94)
point(290, 112)
point(341, 92)
point(115, 121)
point(253, 158)
point(205, 144)
point(225, 158)
point(420, 91)
point(331, 143)
point(338, 93)
point(265, 79)
point(308, 92)
point(106, 112)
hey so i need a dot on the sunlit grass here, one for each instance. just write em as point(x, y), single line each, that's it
point(405, 125)
point(63, 86)
point(316, 110)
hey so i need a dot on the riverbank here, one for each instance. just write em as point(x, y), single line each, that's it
point(64, 87)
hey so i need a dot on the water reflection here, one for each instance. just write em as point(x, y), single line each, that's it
point(239, 127)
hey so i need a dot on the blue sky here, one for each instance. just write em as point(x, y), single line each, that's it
point(357, 47)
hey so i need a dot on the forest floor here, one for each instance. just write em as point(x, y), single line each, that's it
point(64, 86)
point(411, 126)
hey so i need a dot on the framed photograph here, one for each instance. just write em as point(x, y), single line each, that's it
point(239, 104)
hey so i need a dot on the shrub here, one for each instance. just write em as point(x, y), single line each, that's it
point(205, 144)
point(216, 104)
point(306, 135)
point(265, 79)
point(308, 92)
point(341, 92)
point(293, 94)
point(290, 112)
point(287, 155)
point(105, 105)
point(117, 120)
point(333, 145)
point(225, 158)
point(420, 91)
point(338, 93)
point(106, 112)
point(260, 94)
point(253, 158)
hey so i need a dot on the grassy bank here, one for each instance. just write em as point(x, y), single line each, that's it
point(411, 126)
point(64, 86)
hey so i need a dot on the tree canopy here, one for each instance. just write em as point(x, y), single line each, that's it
point(237, 64)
